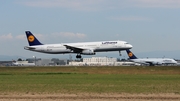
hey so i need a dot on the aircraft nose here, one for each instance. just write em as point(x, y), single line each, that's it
point(130, 46)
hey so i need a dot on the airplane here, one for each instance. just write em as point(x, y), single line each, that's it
point(80, 48)
point(16, 63)
point(150, 61)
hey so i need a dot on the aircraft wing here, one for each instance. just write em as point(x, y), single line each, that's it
point(146, 62)
point(152, 63)
point(81, 50)
point(75, 49)
point(149, 62)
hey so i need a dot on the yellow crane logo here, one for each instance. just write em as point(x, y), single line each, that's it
point(130, 54)
point(31, 38)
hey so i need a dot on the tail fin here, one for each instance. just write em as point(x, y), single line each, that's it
point(32, 40)
point(130, 54)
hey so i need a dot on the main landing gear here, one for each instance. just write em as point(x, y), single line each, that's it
point(120, 53)
point(78, 56)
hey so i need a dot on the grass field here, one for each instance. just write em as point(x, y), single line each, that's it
point(74, 80)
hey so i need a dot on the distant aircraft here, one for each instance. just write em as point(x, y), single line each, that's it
point(16, 63)
point(150, 61)
point(81, 48)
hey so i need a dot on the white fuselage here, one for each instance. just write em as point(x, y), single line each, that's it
point(23, 64)
point(90, 46)
point(155, 61)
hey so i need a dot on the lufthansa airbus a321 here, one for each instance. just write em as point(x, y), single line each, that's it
point(80, 48)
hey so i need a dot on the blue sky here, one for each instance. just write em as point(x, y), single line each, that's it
point(149, 25)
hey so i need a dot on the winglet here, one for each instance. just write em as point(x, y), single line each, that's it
point(32, 40)
point(130, 54)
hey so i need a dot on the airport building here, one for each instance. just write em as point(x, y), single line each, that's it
point(48, 62)
point(100, 61)
point(35, 62)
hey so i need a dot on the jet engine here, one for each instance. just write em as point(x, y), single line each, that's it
point(156, 63)
point(88, 52)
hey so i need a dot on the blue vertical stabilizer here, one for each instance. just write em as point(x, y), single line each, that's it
point(32, 40)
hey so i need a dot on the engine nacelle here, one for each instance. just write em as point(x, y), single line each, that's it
point(88, 52)
point(157, 63)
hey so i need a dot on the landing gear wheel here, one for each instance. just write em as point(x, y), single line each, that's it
point(120, 53)
point(78, 56)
